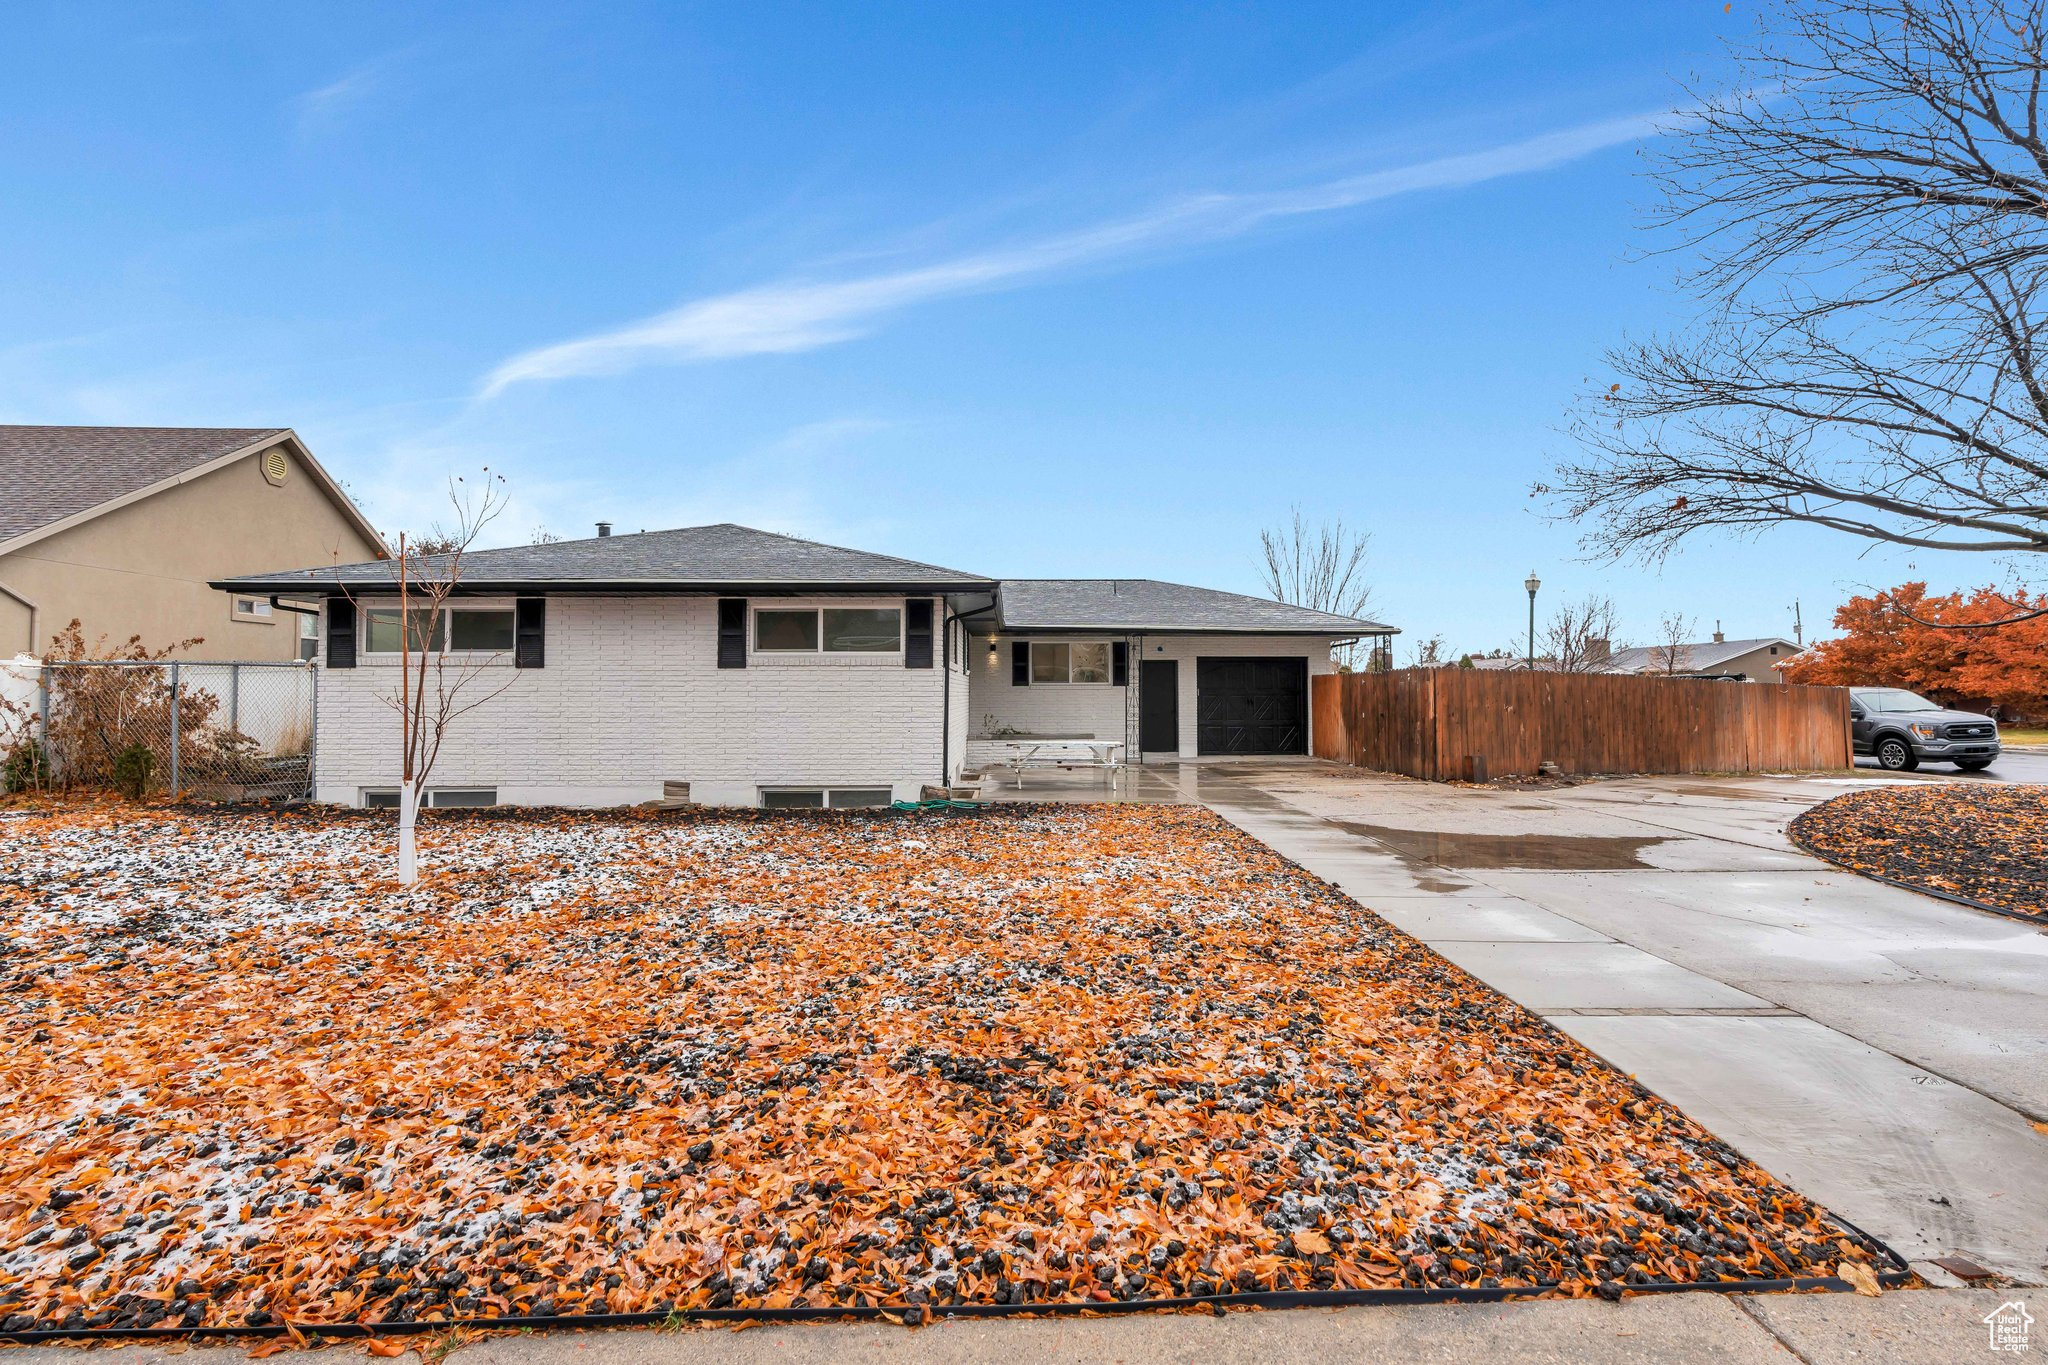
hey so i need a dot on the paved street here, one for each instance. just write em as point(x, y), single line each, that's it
point(2012, 766)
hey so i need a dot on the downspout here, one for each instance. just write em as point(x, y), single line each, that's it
point(35, 619)
point(946, 619)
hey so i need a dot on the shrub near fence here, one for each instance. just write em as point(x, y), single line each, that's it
point(1429, 722)
point(217, 731)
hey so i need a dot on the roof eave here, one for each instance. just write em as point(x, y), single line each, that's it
point(1159, 628)
point(630, 587)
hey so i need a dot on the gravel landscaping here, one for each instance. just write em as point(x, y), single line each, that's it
point(1980, 843)
point(632, 1062)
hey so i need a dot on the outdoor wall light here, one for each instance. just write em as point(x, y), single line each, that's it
point(991, 649)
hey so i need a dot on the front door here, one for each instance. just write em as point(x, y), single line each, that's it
point(1159, 706)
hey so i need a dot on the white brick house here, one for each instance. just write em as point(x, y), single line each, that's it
point(762, 669)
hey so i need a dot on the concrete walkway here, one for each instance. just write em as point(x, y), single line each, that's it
point(1882, 1051)
point(1916, 1327)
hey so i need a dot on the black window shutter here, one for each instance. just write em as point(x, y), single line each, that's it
point(1120, 663)
point(530, 632)
point(341, 633)
point(732, 632)
point(917, 633)
point(1020, 663)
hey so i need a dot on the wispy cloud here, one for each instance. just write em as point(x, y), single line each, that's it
point(319, 109)
point(802, 315)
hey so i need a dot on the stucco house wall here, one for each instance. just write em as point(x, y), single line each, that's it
point(143, 569)
point(1759, 665)
point(1104, 710)
point(631, 696)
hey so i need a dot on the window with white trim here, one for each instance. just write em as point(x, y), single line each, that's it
point(309, 636)
point(1069, 663)
point(828, 630)
point(254, 610)
point(456, 630)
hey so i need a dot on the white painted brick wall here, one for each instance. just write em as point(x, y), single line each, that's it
point(1098, 712)
point(1086, 710)
point(632, 696)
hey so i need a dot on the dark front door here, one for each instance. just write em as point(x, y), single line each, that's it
point(1251, 706)
point(1159, 706)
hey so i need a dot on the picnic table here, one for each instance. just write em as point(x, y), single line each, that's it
point(1019, 754)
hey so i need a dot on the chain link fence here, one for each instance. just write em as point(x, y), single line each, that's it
point(205, 731)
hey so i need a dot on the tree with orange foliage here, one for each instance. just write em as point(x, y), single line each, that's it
point(1905, 638)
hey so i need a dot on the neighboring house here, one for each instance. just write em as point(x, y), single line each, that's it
point(1751, 660)
point(767, 670)
point(123, 528)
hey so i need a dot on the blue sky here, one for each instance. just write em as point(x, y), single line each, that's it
point(1050, 291)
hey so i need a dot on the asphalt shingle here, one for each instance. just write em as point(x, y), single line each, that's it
point(692, 557)
point(50, 473)
point(1148, 604)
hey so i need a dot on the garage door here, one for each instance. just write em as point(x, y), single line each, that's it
point(1251, 706)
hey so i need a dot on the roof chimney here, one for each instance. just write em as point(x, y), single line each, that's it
point(604, 528)
point(1598, 650)
point(1719, 638)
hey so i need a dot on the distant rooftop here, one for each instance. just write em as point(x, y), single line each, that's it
point(1702, 657)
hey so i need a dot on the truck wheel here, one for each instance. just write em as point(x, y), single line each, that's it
point(1896, 755)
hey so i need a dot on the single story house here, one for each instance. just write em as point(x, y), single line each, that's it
point(762, 669)
point(125, 528)
point(1749, 660)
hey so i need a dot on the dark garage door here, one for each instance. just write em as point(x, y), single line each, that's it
point(1251, 706)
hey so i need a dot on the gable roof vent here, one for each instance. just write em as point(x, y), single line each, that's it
point(275, 465)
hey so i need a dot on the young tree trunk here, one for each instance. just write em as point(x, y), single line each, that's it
point(408, 816)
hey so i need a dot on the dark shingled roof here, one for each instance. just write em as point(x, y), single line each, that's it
point(1148, 604)
point(705, 558)
point(50, 473)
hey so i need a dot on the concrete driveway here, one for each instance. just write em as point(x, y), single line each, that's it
point(1884, 1052)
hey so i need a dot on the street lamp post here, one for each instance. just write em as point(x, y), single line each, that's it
point(1532, 583)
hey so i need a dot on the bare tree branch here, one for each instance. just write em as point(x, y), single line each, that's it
point(1867, 208)
point(1320, 567)
point(1579, 637)
point(1672, 654)
point(434, 689)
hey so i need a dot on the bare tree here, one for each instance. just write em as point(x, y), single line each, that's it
point(1430, 653)
point(434, 690)
point(1580, 636)
point(1320, 567)
point(543, 536)
point(1868, 201)
point(1673, 651)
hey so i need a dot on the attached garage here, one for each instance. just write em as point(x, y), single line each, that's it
point(1251, 705)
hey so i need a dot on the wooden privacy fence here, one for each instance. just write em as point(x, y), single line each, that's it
point(1428, 722)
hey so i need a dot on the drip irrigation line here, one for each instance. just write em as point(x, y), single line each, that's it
point(1897, 1278)
point(1951, 897)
